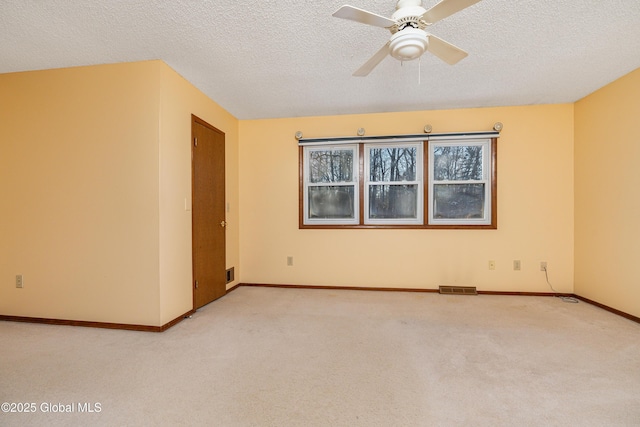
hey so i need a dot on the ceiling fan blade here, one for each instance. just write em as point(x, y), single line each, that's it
point(363, 16)
point(373, 61)
point(446, 8)
point(444, 50)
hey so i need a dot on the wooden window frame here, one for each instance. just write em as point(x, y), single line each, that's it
point(493, 225)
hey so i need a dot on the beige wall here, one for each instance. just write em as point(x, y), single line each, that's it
point(94, 172)
point(78, 178)
point(95, 179)
point(535, 208)
point(180, 99)
point(607, 204)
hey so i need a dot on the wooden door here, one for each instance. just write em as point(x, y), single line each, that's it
point(208, 214)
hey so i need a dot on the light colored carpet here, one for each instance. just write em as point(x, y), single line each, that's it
point(301, 357)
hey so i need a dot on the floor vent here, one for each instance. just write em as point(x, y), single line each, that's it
point(458, 290)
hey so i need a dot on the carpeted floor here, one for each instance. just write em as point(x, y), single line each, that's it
point(301, 357)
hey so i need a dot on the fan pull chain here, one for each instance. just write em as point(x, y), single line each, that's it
point(419, 71)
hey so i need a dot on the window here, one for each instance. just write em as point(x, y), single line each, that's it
point(442, 182)
point(460, 182)
point(393, 188)
point(330, 185)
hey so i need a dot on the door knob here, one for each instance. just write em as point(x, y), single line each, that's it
point(223, 223)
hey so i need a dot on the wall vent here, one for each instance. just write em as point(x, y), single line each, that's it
point(458, 290)
point(230, 274)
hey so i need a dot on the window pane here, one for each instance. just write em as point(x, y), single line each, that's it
point(393, 201)
point(457, 201)
point(331, 166)
point(392, 164)
point(331, 202)
point(457, 162)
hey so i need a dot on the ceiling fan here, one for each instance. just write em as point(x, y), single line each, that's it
point(409, 39)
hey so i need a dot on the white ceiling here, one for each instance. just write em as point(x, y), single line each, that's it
point(290, 58)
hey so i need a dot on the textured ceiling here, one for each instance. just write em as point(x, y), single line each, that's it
point(290, 58)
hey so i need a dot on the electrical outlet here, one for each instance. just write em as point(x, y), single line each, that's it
point(492, 265)
point(289, 261)
point(516, 265)
point(543, 266)
point(19, 281)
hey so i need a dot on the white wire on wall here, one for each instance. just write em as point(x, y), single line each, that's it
point(562, 297)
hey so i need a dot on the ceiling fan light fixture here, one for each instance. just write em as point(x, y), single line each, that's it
point(408, 44)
